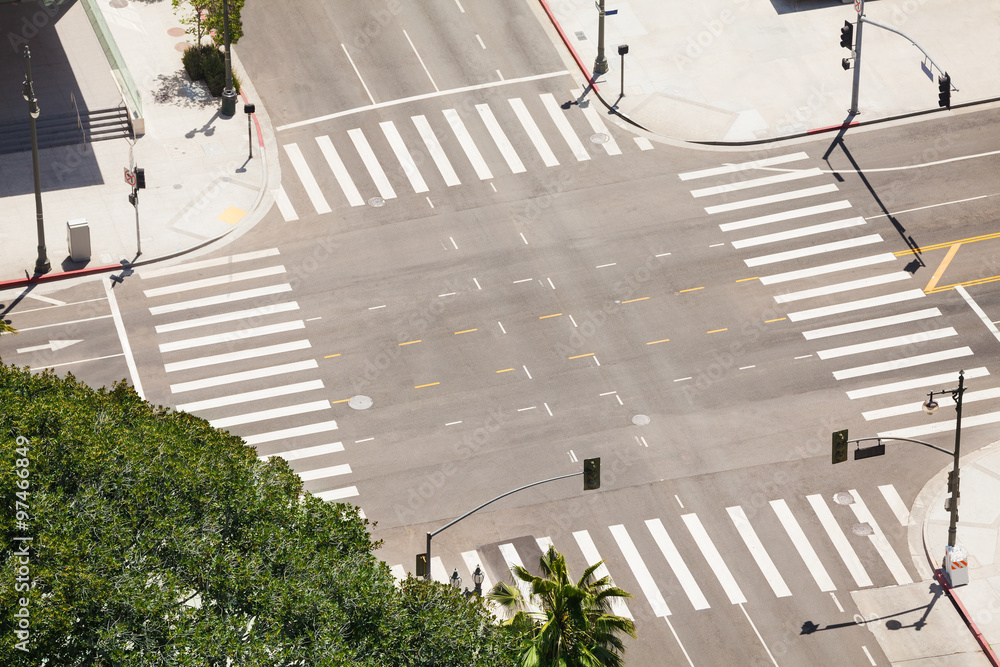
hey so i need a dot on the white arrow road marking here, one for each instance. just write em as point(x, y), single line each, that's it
point(52, 345)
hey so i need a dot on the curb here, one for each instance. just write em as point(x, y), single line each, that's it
point(967, 617)
point(750, 142)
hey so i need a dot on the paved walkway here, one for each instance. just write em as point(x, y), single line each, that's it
point(200, 184)
point(746, 70)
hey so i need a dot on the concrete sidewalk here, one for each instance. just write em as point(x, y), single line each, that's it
point(928, 623)
point(750, 70)
point(200, 184)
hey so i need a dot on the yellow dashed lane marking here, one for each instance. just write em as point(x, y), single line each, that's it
point(717, 330)
point(421, 386)
point(780, 319)
point(743, 280)
point(505, 370)
point(665, 340)
point(466, 331)
point(545, 317)
point(330, 356)
point(410, 342)
point(634, 300)
point(579, 356)
point(343, 400)
point(693, 289)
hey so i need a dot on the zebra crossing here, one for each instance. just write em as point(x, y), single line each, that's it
point(516, 141)
point(223, 366)
point(717, 558)
point(887, 332)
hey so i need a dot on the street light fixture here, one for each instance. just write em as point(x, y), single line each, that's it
point(477, 578)
point(42, 263)
point(455, 581)
point(930, 407)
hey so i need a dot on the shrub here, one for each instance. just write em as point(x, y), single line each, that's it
point(209, 63)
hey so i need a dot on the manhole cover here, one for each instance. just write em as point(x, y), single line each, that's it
point(376, 202)
point(640, 420)
point(843, 498)
point(862, 529)
point(360, 402)
point(599, 138)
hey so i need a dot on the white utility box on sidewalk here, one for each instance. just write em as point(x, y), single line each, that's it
point(78, 239)
point(956, 565)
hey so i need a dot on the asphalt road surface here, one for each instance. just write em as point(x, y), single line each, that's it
point(474, 280)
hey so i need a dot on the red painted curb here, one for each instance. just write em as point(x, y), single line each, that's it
point(569, 46)
point(833, 127)
point(50, 277)
point(967, 617)
point(260, 135)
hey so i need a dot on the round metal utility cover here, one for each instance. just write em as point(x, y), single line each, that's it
point(640, 420)
point(360, 402)
point(376, 202)
point(599, 138)
point(862, 529)
point(843, 498)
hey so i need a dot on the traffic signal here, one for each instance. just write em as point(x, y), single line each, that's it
point(591, 474)
point(847, 35)
point(140, 178)
point(421, 565)
point(944, 91)
point(840, 446)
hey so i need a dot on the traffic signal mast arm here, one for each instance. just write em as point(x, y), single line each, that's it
point(919, 442)
point(910, 39)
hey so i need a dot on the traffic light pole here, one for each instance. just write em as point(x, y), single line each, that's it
point(427, 573)
point(857, 61)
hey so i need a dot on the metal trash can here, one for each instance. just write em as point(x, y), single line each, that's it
point(78, 239)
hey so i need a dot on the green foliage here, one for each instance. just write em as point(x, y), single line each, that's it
point(205, 17)
point(158, 540)
point(5, 327)
point(575, 627)
point(209, 63)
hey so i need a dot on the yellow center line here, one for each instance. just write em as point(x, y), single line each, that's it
point(939, 246)
point(343, 400)
point(466, 331)
point(505, 370)
point(780, 319)
point(693, 289)
point(411, 342)
point(330, 356)
point(968, 283)
point(665, 340)
point(589, 354)
point(634, 300)
point(717, 330)
point(743, 280)
point(950, 255)
point(421, 386)
point(545, 317)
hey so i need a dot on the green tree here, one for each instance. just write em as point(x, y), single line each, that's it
point(205, 17)
point(159, 540)
point(575, 626)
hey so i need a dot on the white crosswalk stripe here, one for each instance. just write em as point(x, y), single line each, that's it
point(896, 503)
point(799, 232)
point(802, 545)
point(848, 286)
point(807, 251)
point(285, 205)
point(307, 452)
point(218, 299)
point(227, 357)
point(861, 304)
point(468, 145)
point(771, 199)
point(534, 134)
point(289, 433)
point(434, 148)
point(500, 139)
point(878, 539)
point(323, 473)
point(403, 155)
point(916, 383)
point(827, 268)
point(243, 376)
point(677, 564)
point(336, 495)
point(785, 215)
point(742, 166)
point(839, 539)
point(511, 558)
point(340, 172)
point(905, 362)
point(735, 186)
point(597, 125)
point(946, 426)
point(371, 163)
point(589, 550)
point(874, 323)
point(887, 343)
point(260, 311)
point(273, 413)
point(248, 396)
point(201, 264)
point(307, 179)
point(944, 402)
point(232, 336)
point(759, 553)
point(639, 570)
point(225, 279)
point(565, 129)
point(713, 558)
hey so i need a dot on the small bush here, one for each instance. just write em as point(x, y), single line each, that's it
point(209, 63)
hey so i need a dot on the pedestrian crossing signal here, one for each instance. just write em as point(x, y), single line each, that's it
point(591, 474)
point(840, 446)
point(421, 565)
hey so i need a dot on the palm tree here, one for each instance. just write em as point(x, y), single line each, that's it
point(564, 624)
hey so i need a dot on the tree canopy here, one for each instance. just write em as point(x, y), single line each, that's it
point(156, 539)
point(205, 17)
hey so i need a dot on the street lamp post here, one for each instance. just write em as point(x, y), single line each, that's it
point(42, 263)
point(601, 64)
point(228, 94)
point(930, 407)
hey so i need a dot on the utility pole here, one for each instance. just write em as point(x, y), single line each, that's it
point(228, 94)
point(42, 263)
point(601, 64)
point(860, 6)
